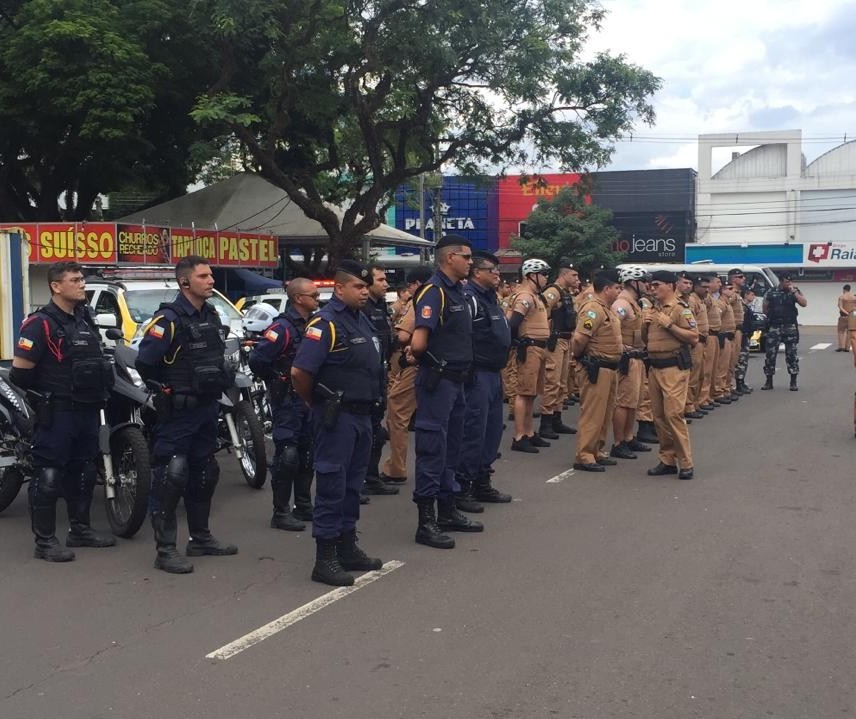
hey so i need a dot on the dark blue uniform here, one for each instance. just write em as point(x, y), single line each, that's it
point(483, 419)
point(441, 307)
point(271, 359)
point(342, 352)
point(182, 348)
point(72, 376)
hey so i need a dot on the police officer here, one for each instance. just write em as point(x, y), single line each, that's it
point(59, 356)
point(740, 346)
point(747, 298)
point(669, 331)
point(559, 300)
point(338, 371)
point(780, 306)
point(271, 359)
point(483, 419)
point(378, 313)
point(442, 344)
point(597, 347)
point(693, 407)
point(530, 329)
point(182, 349)
point(401, 399)
point(703, 289)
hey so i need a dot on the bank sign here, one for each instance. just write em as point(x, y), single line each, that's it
point(830, 254)
point(650, 236)
point(101, 243)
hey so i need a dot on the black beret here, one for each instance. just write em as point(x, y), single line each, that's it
point(664, 276)
point(685, 275)
point(786, 276)
point(565, 263)
point(352, 267)
point(452, 241)
point(419, 274)
point(735, 272)
point(485, 255)
point(609, 276)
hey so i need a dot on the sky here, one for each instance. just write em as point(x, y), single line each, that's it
point(735, 66)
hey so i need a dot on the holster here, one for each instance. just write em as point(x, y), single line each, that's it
point(522, 347)
point(552, 341)
point(722, 339)
point(624, 363)
point(41, 402)
point(702, 339)
point(278, 387)
point(592, 368)
point(332, 410)
point(684, 357)
point(163, 405)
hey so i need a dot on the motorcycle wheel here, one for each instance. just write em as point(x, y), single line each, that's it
point(127, 511)
point(252, 437)
point(11, 480)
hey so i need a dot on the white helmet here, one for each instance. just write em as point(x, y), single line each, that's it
point(533, 265)
point(258, 318)
point(632, 272)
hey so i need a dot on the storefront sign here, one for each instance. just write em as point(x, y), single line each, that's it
point(830, 254)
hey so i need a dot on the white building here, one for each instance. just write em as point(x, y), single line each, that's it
point(768, 206)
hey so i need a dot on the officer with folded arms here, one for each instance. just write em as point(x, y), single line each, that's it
point(58, 357)
point(182, 352)
point(338, 372)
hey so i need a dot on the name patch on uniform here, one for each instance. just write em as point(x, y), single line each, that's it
point(156, 331)
point(271, 335)
point(313, 333)
point(26, 344)
point(426, 312)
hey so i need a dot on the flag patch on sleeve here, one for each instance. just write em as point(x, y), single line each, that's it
point(313, 333)
point(426, 312)
point(156, 331)
point(25, 344)
point(271, 335)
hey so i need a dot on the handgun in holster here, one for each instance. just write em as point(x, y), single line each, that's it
point(592, 367)
point(332, 404)
point(41, 402)
point(552, 341)
point(278, 387)
point(522, 346)
point(624, 363)
point(722, 339)
point(685, 357)
point(435, 368)
point(161, 399)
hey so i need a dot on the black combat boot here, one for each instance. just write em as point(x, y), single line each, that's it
point(545, 430)
point(794, 387)
point(634, 445)
point(486, 492)
point(168, 559)
point(352, 558)
point(328, 569)
point(647, 433)
point(303, 495)
point(622, 451)
point(428, 532)
point(465, 499)
point(282, 517)
point(769, 383)
point(80, 533)
point(375, 485)
point(43, 522)
point(560, 427)
point(449, 519)
point(201, 540)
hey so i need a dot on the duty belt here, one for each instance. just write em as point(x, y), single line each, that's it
point(663, 363)
point(457, 377)
point(536, 343)
point(606, 364)
point(359, 407)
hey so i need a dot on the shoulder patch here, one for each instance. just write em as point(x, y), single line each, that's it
point(156, 331)
point(526, 303)
point(591, 313)
point(314, 333)
point(621, 311)
point(27, 345)
point(271, 335)
point(588, 324)
point(426, 312)
point(687, 312)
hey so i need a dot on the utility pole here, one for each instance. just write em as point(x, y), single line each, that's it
point(422, 205)
point(438, 201)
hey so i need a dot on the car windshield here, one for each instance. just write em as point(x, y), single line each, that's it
point(142, 304)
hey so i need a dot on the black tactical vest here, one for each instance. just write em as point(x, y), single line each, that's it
point(75, 367)
point(564, 316)
point(378, 315)
point(491, 333)
point(781, 307)
point(353, 366)
point(199, 366)
point(451, 339)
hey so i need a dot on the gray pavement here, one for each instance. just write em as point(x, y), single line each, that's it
point(612, 595)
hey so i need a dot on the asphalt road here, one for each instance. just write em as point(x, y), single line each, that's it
point(612, 595)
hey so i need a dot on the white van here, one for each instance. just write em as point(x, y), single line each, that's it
point(762, 278)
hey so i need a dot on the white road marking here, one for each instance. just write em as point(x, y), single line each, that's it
point(286, 620)
point(560, 477)
point(821, 346)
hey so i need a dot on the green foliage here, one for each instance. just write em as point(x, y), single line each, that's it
point(566, 226)
point(343, 100)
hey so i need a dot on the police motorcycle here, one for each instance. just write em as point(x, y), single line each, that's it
point(240, 431)
point(255, 321)
point(16, 428)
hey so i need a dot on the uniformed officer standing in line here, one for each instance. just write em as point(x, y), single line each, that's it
point(747, 299)
point(483, 419)
point(378, 313)
point(729, 333)
point(669, 331)
point(509, 372)
point(711, 354)
point(780, 306)
point(271, 359)
point(739, 348)
point(686, 286)
point(442, 344)
point(182, 348)
point(597, 347)
point(401, 399)
point(59, 355)
point(629, 312)
point(718, 391)
point(563, 319)
point(530, 330)
point(338, 372)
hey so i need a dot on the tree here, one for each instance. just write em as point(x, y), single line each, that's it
point(568, 226)
point(343, 100)
point(95, 96)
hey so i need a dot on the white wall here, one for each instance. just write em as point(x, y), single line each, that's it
point(822, 302)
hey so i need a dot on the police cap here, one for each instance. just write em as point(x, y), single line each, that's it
point(418, 274)
point(683, 274)
point(352, 267)
point(607, 277)
point(735, 272)
point(786, 276)
point(452, 241)
point(485, 255)
point(664, 276)
point(565, 263)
